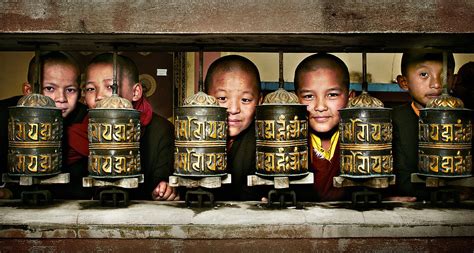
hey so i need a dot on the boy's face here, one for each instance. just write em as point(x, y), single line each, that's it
point(60, 84)
point(236, 91)
point(324, 94)
point(423, 82)
point(99, 84)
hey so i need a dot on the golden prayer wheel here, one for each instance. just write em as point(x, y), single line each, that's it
point(35, 129)
point(282, 136)
point(201, 135)
point(445, 138)
point(365, 138)
point(114, 139)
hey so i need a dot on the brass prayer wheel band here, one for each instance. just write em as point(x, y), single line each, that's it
point(282, 143)
point(444, 146)
point(109, 145)
point(198, 144)
point(366, 146)
point(41, 144)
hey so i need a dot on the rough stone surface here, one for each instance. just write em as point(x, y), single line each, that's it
point(231, 220)
point(243, 16)
point(243, 25)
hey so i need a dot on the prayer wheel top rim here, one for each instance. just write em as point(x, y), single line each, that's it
point(198, 106)
point(281, 97)
point(35, 107)
point(365, 108)
point(278, 104)
point(445, 101)
point(365, 100)
point(36, 100)
point(445, 109)
point(115, 109)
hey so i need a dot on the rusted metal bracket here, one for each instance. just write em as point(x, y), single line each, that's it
point(199, 193)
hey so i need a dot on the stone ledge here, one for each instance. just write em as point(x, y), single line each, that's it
point(230, 220)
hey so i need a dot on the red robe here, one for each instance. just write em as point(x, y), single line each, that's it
point(324, 171)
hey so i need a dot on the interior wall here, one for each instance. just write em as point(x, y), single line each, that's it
point(383, 67)
point(13, 71)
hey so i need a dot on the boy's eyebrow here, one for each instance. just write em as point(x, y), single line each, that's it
point(336, 89)
point(107, 79)
point(421, 65)
point(305, 90)
point(220, 89)
point(248, 92)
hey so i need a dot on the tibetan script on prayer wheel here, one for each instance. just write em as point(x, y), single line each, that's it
point(445, 142)
point(282, 145)
point(200, 137)
point(201, 133)
point(365, 138)
point(114, 143)
point(34, 135)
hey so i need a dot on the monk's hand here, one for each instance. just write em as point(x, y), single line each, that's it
point(163, 191)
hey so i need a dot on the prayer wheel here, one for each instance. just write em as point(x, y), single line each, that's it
point(281, 128)
point(445, 138)
point(365, 138)
point(201, 135)
point(35, 129)
point(114, 139)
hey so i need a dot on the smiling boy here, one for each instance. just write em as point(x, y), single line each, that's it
point(322, 83)
point(235, 82)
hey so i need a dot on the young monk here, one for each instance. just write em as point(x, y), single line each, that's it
point(60, 80)
point(235, 82)
point(421, 77)
point(157, 133)
point(322, 83)
point(463, 86)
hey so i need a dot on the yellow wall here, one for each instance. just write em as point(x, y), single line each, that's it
point(13, 71)
point(384, 67)
point(190, 74)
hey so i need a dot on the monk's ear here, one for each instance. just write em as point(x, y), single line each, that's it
point(27, 89)
point(352, 94)
point(402, 82)
point(260, 99)
point(137, 91)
